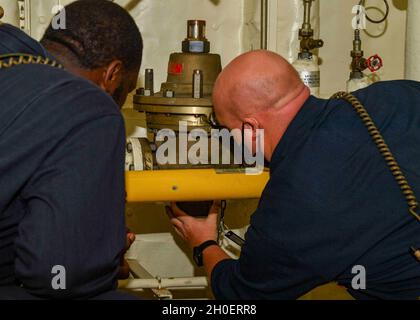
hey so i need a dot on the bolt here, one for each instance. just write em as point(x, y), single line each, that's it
point(140, 91)
point(149, 81)
point(169, 94)
point(197, 84)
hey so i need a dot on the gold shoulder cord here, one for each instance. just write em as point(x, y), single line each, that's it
point(389, 158)
point(10, 60)
point(20, 58)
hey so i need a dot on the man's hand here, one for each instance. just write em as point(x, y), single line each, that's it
point(194, 231)
point(124, 271)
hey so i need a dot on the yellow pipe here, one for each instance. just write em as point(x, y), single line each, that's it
point(193, 185)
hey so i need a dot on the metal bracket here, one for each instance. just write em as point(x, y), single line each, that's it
point(25, 16)
point(141, 273)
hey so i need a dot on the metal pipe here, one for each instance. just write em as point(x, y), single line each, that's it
point(149, 83)
point(412, 52)
point(169, 283)
point(264, 24)
point(306, 33)
point(357, 42)
point(307, 4)
point(192, 185)
point(196, 30)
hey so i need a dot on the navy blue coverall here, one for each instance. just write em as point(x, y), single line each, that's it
point(61, 180)
point(332, 204)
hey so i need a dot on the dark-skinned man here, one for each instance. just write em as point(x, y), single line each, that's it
point(332, 205)
point(62, 146)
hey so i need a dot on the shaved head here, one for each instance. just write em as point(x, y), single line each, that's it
point(259, 90)
point(254, 82)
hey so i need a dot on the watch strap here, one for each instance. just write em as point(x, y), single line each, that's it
point(198, 251)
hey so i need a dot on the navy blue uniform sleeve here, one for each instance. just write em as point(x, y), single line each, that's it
point(265, 270)
point(74, 215)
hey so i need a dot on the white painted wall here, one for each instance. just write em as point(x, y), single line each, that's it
point(337, 33)
point(163, 24)
point(412, 55)
point(10, 11)
point(233, 28)
point(38, 14)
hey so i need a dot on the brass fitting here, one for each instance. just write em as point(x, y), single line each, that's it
point(306, 30)
point(359, 63)
point(306, 33)
point(308, 44)
point(196, 40)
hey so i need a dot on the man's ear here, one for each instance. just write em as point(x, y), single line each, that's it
point(252, 124)
point(112, 77)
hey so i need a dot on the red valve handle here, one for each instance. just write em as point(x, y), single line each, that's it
point(374, 63)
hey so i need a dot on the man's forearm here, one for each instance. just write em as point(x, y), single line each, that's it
point(211, 257)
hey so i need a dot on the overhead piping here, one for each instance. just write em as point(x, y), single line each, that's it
point(264, 24)
point(307, 62)
point(412, 52)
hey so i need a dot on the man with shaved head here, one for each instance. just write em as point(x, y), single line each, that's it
point(261, 90)
point(332, 211)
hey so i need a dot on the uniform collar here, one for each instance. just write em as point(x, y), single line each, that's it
point(13, 40)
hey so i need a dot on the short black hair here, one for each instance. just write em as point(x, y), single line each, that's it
point(98, 32)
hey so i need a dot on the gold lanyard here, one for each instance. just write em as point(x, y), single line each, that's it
point(387, 154)
point(10, 60)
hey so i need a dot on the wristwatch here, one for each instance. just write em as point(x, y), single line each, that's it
point(198, 251)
